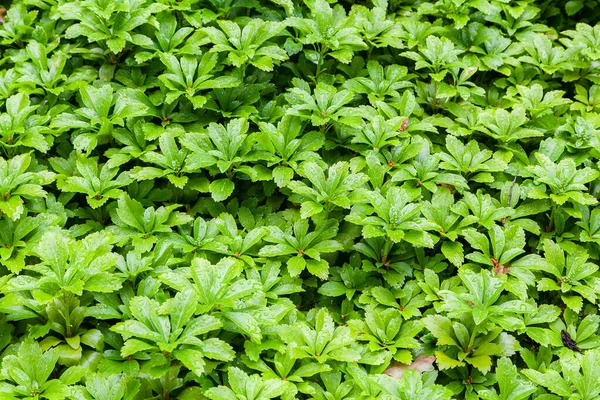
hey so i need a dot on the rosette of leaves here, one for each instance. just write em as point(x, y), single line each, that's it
point(276, 285)
point(431, 285)
point(387, 331)
point(244, 101)
point(53, 288)
point(568, 330)
point(99, 184)
point(483, 300)
point(108, 387)
point(348, 280)
point(579, 132)
point(330, 31)
point(463, 343)
point(240, 244)
point(571, 376)
point(142, 227)
point(510, 383)
point(169, 161)
point(101, 109)
point(22, 378)
point(542, 53)
point(381, 83)
point(45, 70)
point(536, 102)
point(572, 275)
point(380, 134)
point(136, 139)
point(376, 29)
point(332, 384)
point(437, 55)
point(19, 238)
point(385, 258)
point(70, 266)
point(18, 185)
point(74, 341)
point(407, 300)
point(321, 340)
point(248, 45)
point(476, 319)
point(199, 238)
point(18, 23)
point(500, 249)
point(110, 24)
point(170, 329)
point(242, 385)
point(507, 127)
point(471, 162)
point(423, 170)
point(21, 125)
point(192, 76)
point(445, 214)
point(304, 247)
point(323, 106)
point(487, 211)
point(561, 182)
point(288, 145)
point(224, 150)
point(339, 186)
point(412, 386)
point(589, 223)
point(224, 294)
point(164, 36)
point(284, 368)
point(393, 214)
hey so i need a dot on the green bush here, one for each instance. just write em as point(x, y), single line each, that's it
point(252, 199)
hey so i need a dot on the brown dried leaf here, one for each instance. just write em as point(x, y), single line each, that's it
point(420, 364)
point(501, 269)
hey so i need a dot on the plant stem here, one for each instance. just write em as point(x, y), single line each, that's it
point(472, 339)
point(551, 223)
point(67, 316)
point(322, 51)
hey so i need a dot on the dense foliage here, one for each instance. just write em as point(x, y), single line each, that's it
point(244, 199)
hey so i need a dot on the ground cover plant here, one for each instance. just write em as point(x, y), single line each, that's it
point(244, 199)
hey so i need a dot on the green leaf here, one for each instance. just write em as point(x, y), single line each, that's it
point(454, 252)
point(445, 362)
point(310, 208)
point(192, 359)
point(296, 265)
point(549, 379)
point(221, 189)
point(511, 387)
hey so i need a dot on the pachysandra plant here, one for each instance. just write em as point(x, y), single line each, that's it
point(170, 329)
point(339, 186)
point(99, 184)
point(577, 372)
point(322, 342)
point(303, 246)
point(101, 109)
point(565, 330)
point(192, 74)
point(249, 45)
point(572, 275)
point(18, 239)
point(249, 200)
point(287, 148)
point(224, 150)
point(396, 217)
point(18, 185)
